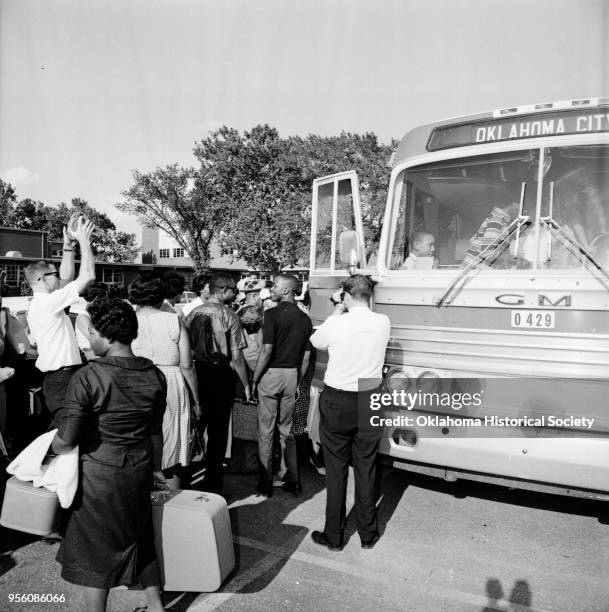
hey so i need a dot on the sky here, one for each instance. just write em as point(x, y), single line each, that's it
point(90, 91)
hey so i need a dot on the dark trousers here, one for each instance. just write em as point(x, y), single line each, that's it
point(344, 441)
point(54, 387)
point(216, 392)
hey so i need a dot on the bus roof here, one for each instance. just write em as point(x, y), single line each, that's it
point(546, 119)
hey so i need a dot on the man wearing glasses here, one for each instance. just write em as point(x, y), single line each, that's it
point(217, 339)
point(50, 326)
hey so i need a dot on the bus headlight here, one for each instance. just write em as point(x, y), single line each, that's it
point(405, 437)
point(397, 380)
point(428, 381)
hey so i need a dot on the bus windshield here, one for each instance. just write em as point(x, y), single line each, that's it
point(463, 207)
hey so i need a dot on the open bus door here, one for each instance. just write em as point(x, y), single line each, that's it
point(337, 239)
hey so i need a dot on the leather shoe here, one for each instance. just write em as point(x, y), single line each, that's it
point(371, 542)
point(319, 537)
point(265, 490)
point(295, 488)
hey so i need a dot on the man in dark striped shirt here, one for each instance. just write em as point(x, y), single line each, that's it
point(492, 227)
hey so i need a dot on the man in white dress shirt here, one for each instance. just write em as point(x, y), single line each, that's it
point(50, 327)
point(200, 285)
point(356, 339)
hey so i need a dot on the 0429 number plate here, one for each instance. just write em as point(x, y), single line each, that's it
point(533, 319)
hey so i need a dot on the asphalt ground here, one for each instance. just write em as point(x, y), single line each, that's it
point(444, 547)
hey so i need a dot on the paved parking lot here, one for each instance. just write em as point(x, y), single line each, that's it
point(460, 546)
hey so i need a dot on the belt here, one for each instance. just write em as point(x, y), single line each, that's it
point(354, 392)
point(71, 368)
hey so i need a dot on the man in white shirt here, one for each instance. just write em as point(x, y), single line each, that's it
point(356, 340)
point(200, 285)
point(50, 326)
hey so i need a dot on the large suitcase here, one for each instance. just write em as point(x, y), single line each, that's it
point(193, 540)
point(31, 509)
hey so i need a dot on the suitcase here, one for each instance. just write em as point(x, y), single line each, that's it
point(31, 509)
point(245, 420)
point(193, 540)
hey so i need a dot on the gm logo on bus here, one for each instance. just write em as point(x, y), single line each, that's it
point(517, 299)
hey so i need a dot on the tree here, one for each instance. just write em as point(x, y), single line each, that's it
point(320, 156)
point(108, 243)
point(183, 203)
point(8, 199)
point(149, 257)
point(266, 182)
point(259, 180)
point(29, 214)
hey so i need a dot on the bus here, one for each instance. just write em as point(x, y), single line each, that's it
point(513, 303)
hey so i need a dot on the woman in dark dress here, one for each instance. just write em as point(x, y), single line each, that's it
point(114, 412)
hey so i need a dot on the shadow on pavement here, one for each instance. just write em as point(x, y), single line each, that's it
point(391, 485)
point(262, 521)
point(462, 488)
point(520, 597)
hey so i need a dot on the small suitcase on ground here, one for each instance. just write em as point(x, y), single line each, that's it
point(245, 420)
point(31, 509)
point(193, 540)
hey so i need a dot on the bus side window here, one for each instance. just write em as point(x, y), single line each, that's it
point(417, 212)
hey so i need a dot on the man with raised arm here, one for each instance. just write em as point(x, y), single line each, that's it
point(50, 326)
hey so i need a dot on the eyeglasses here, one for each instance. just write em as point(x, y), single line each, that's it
point(55, 273)
point(231, 287)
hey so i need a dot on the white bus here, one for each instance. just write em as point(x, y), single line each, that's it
point(517, 201)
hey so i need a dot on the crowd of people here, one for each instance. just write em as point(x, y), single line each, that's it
point(131, 380)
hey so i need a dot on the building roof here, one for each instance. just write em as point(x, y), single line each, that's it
point(23, 230)
point(25, 260)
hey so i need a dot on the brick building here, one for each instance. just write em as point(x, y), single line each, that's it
point(29, 243)
point(19, 247)
point(164, 250)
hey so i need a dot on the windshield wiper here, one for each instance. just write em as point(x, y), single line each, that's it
point(495, 247)
point(573, 246)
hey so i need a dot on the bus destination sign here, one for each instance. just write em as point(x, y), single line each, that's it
point(526, 126)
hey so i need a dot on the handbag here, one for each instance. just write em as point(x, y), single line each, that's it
point(196, 444)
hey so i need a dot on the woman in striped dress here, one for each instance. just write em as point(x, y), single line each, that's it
point(163, 339)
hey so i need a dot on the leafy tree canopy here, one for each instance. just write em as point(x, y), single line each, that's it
point(108, 243)
point(183, 203)
point(265, 182)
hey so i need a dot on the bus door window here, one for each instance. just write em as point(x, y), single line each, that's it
point(465, 204)
point(336, 209)
point(576, 193)
point(345, 217)
point(323, 248)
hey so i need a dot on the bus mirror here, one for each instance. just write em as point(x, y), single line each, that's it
point(349, 247)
